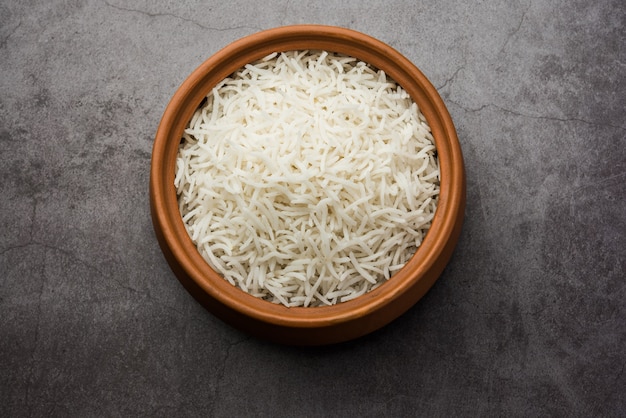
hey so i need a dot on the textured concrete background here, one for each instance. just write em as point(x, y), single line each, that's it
point(529, 318)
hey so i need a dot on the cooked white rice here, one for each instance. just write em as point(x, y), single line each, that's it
point(307, 178)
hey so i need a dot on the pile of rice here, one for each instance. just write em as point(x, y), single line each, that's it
point(307, 178)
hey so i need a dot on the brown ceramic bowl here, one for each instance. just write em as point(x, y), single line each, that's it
point(311, 325)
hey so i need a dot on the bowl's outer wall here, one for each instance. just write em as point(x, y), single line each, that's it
point(306, 326)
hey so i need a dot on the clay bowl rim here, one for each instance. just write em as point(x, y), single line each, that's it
point(415, 278)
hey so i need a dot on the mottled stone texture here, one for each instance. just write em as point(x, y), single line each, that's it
point(529, 318)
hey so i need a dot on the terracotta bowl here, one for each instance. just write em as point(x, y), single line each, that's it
point(311, 325)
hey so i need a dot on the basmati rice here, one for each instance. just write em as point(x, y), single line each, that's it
point(307, 178)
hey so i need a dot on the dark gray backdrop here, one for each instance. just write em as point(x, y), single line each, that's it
point(529, 318)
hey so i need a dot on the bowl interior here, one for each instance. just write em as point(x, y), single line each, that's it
point(370, 310)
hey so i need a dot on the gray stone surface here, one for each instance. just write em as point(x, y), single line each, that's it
point(529, 318)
